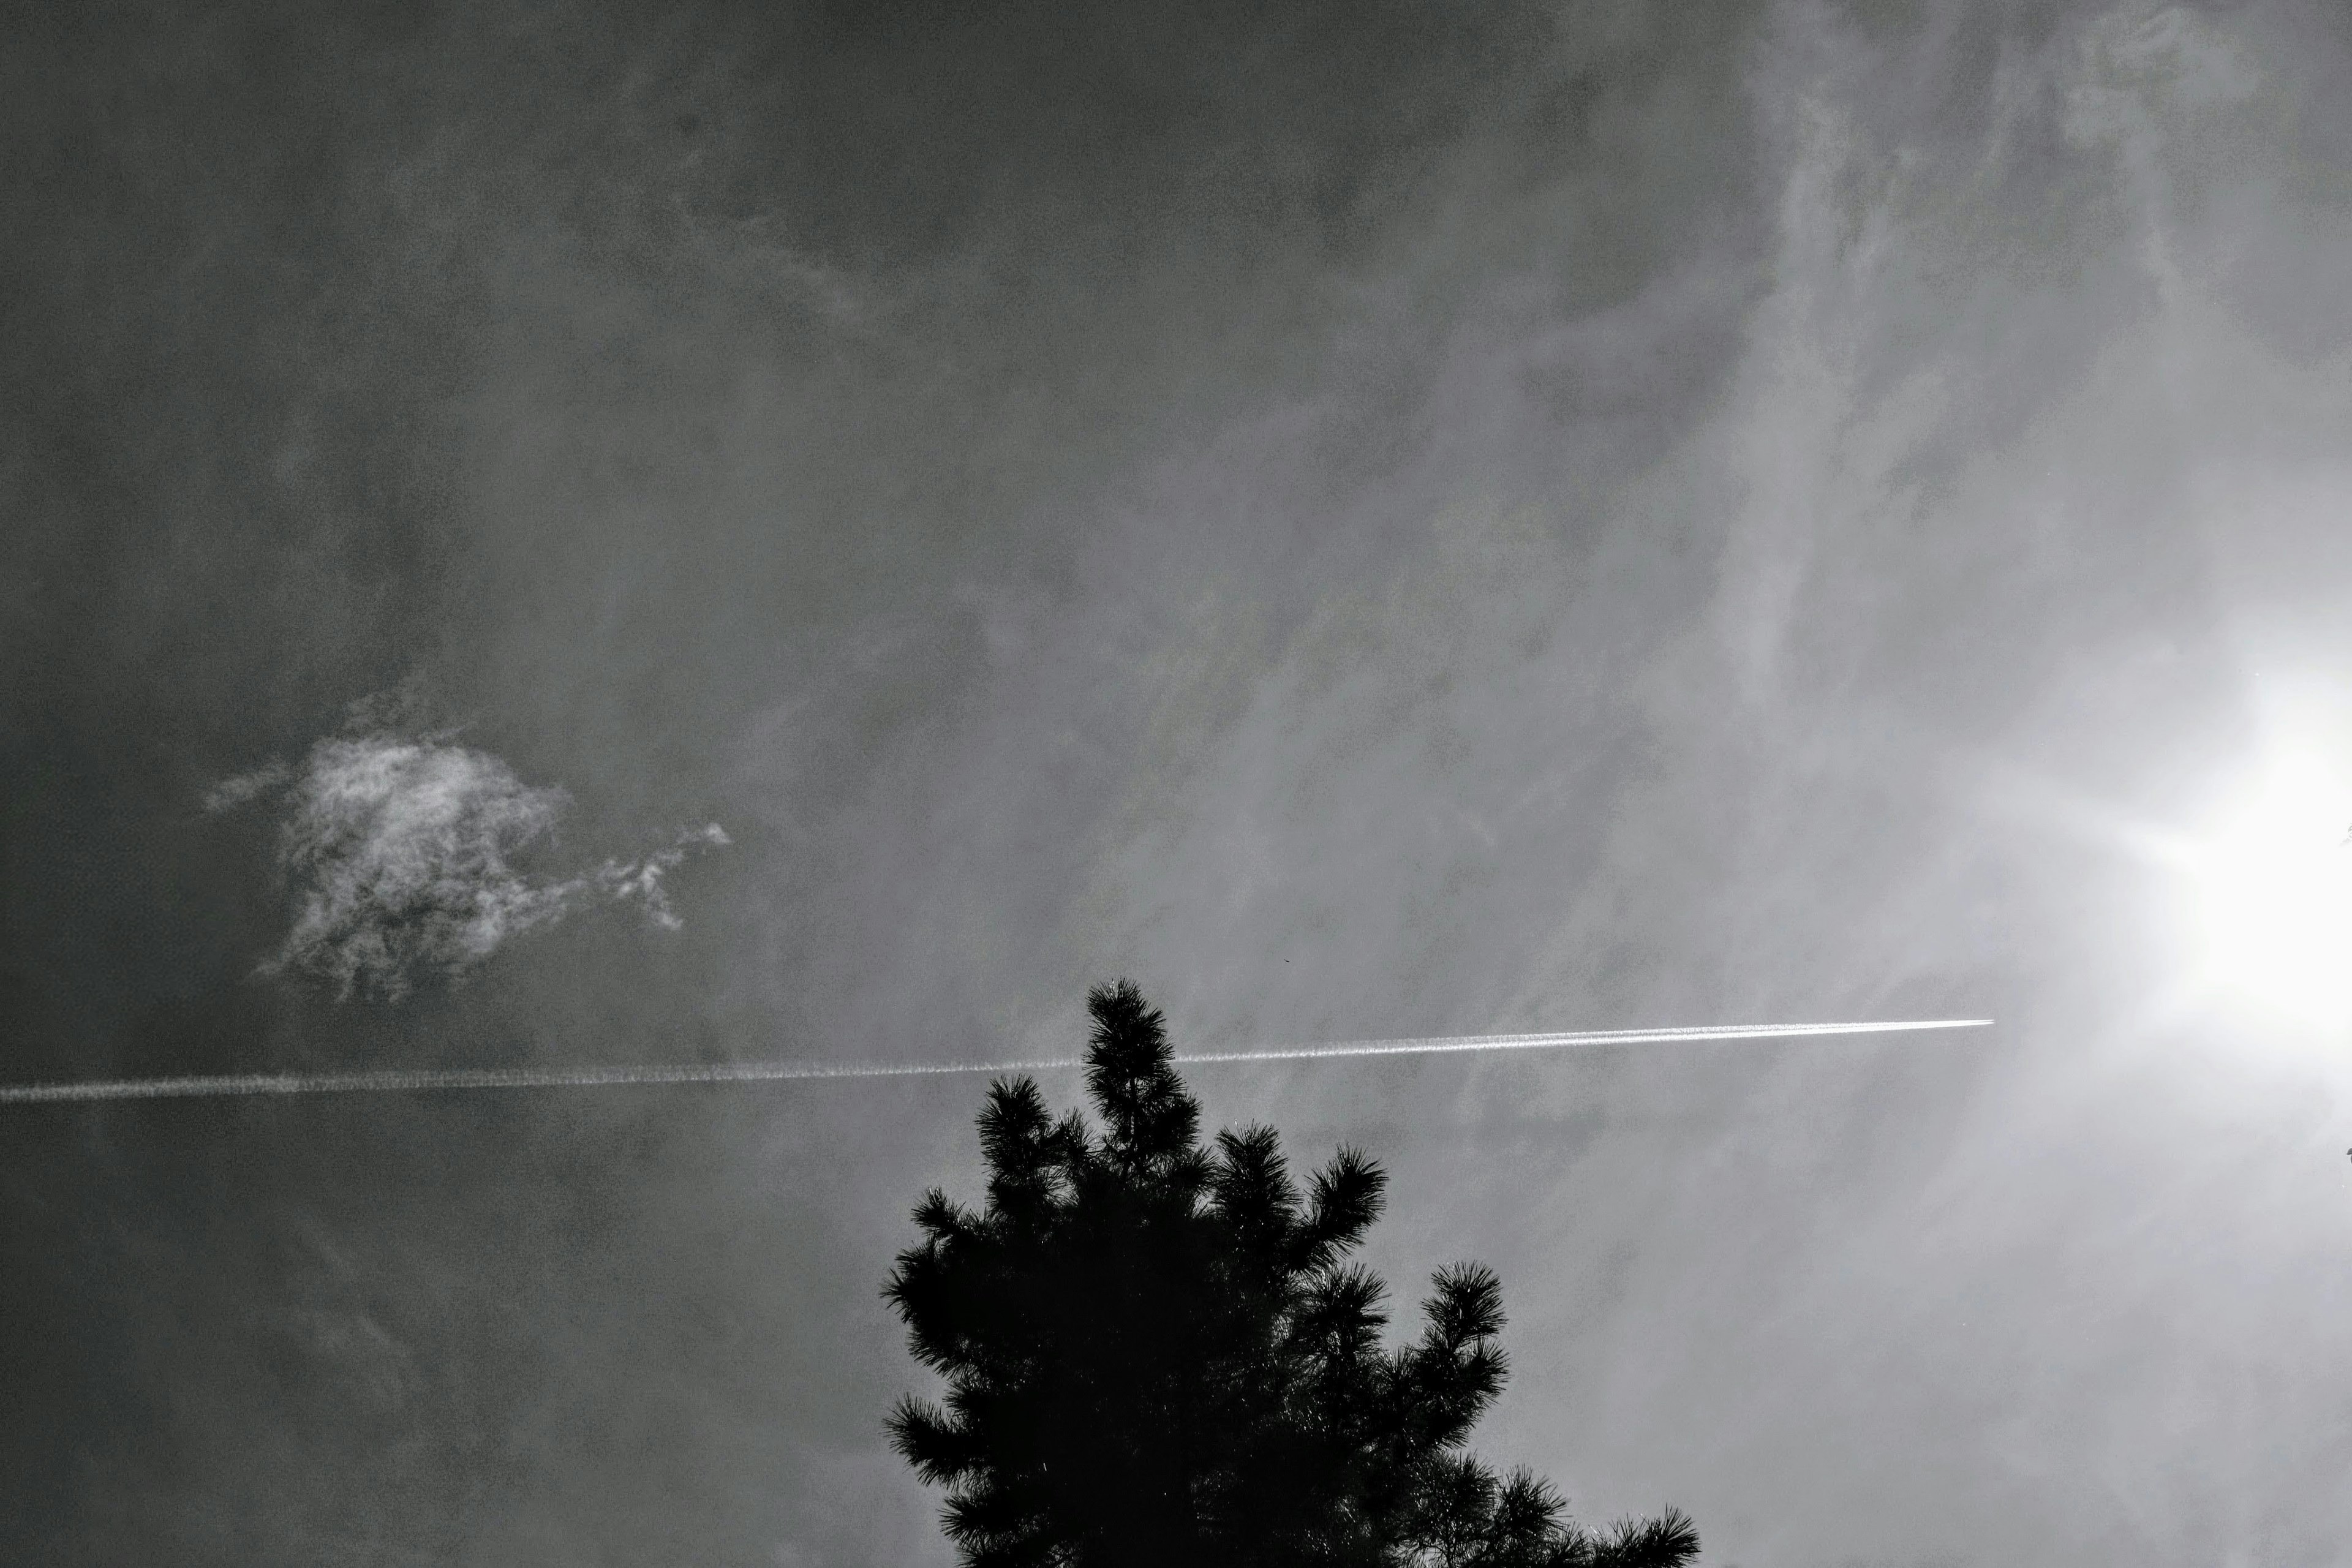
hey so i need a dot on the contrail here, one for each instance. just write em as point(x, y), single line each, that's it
point(400, 1080)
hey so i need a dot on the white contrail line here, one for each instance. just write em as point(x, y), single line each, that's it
point(398, 1080)
point(1433, 1045)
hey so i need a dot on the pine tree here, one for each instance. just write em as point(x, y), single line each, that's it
point(1157, 1353)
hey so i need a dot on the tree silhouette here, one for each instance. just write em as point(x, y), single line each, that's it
point(1159, 1353)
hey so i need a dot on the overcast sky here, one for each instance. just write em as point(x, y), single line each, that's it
point(560, 532)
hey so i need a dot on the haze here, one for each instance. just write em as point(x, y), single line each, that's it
point(1370, 520)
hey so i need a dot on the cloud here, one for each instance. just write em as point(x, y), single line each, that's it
point(403, 853)
point(642, 879)
point(231, 793)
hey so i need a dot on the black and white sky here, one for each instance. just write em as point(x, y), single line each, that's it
point(555, 532)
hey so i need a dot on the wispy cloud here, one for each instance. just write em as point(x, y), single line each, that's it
point(403, 849)
point(231, 793)
point(642, 879)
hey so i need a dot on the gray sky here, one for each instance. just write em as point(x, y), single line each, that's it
point(1372, 521)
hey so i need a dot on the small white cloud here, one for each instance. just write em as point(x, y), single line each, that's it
point(403, 851)
point(642, 879)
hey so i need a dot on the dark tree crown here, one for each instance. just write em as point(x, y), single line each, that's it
point(1160, 1353)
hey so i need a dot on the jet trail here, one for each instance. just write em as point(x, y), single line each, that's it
point(413, 1079)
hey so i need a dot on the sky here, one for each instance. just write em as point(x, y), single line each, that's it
point(550, 534)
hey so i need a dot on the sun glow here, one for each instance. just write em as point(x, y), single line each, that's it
point(2274, 893)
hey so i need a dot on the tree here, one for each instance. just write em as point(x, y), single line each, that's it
point(1160, 1353)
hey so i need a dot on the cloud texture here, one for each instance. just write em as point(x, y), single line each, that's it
point(403, 853)
point(1371, 520)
